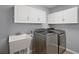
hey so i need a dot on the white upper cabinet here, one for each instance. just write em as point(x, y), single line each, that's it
point(64, 17)
point(41, 16)
point(71, 15)
point(58, 17)
point(38, 16)
point(21, 14)
point(51, 18)
point(27, 14)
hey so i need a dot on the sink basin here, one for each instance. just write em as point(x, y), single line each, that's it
point(19, 37)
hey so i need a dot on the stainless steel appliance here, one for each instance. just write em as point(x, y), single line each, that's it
point(51, 41)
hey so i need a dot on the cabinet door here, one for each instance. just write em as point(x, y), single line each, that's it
point(27, 14)
point(55, 18)
point(21, 14)
point(66, 16)
point(33, 15)
point(51, 18)
point(41, 17)
point(58, 18)
point(37, 16)
point(71, 15)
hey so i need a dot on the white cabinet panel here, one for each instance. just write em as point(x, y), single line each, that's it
point(63, 17)
point(28, 14)
point(21, 14)
point(55, 18)
point(51, 18)
point(58, 17)
point(41, 16)
point(71, 15)
point(34, 15)
point(38, 16)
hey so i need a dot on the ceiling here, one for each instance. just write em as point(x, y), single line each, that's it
point(49, 6)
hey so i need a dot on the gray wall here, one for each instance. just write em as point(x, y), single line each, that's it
point(4, 27)
point(8, 27)
point(72, 30)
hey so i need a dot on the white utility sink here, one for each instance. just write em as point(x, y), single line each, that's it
point(19, 42)
point(19, 37)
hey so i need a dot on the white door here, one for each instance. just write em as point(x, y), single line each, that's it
point(41, 16)
point(71, 15)
point(33, 15)
point(55, 18)
point(58, 18)
point(21, 14)
point(51, 18)
point(27, 14)
point(37, 16)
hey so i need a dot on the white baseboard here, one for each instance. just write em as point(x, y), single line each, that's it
point(71, 51)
